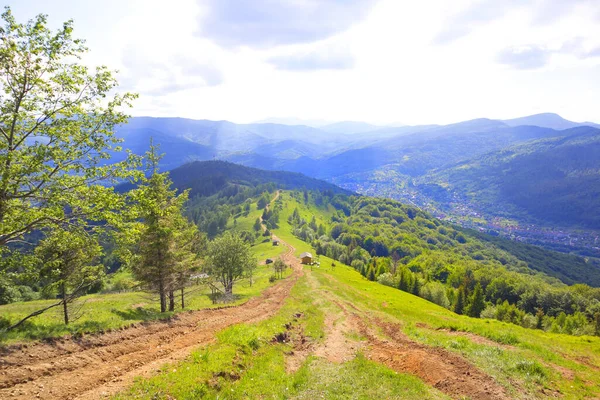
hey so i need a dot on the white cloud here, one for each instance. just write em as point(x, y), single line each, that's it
point(431, 61)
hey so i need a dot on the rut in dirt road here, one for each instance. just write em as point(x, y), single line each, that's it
point(101, 365)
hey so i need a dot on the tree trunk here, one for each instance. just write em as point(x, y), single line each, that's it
point(163, 297)
point(171, 300)
point(182, 298)
point(65, 305)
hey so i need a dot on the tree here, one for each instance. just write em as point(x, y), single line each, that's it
point(257, 225)
point(160, 257)
point(57, 121)
point(476, 303)
point(65, 257)
point(189, 243)
point(228, 260)
point(459, 305)
point(278, 267)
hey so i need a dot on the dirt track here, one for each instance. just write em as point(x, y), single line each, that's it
point(101, 365)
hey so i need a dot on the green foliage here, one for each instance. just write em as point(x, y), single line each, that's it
point(57, 121)
point(476, 302)
point(483, 268)
point(459, 305)
point(164, 243)
point(228, 259)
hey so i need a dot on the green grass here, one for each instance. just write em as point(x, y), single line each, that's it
point(100, 312)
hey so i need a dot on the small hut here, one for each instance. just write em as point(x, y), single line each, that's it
point(269, 261)
point(275, 242)
point(306, 258)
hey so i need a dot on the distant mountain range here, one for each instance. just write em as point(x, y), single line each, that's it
point(424, 164)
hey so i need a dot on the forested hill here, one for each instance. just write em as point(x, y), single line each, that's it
point(206, 178)
point(221, 190)
point(554, 181)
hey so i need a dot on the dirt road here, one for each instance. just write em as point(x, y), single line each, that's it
point(101, 365)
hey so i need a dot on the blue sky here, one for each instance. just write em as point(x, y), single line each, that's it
point(380, 61)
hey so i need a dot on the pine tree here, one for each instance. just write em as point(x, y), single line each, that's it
point(160, 210)
point(459, 305)
point(539, 316)
point(416, 286)
point(477, 302)
point(371, 275)
point(401, 280)
point(257, 225)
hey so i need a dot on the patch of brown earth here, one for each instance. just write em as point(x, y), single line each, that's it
point(473, 337)
point(338, 347)
point(440, 368)
point(100, 365)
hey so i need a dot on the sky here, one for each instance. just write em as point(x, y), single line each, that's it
point(378, 61)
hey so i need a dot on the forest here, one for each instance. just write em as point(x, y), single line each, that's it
point(464, 271)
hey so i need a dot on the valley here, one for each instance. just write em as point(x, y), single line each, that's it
point(446, 170)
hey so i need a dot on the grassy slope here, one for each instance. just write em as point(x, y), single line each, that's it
point(245, 363)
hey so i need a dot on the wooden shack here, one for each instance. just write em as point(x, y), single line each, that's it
point(306, 258)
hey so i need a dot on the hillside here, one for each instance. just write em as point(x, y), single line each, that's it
point(554, 182)
point(205, 178)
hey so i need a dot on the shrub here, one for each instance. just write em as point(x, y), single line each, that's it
point(386, 279)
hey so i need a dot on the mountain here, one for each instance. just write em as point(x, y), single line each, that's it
point(315, 123)
point(547, 120)
point(381, 161)
point(554, 181)
point(415, 153)
point(176, 150)
point(209, 177)
point(349, 127)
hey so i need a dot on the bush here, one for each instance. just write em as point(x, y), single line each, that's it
point(386, 279)
point(436, 293)
point(272, 278)
point(9, 293)
point(27, 293)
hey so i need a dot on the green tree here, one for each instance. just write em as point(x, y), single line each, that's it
point(416, 286)
point(157, 260)
point(257, 225)
point(477, 302)
point(189, 244)
point(57, 120)
point(279, 267)
point(459, 305)
point(228, 260)
point(371, 274)
point(66, 259)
